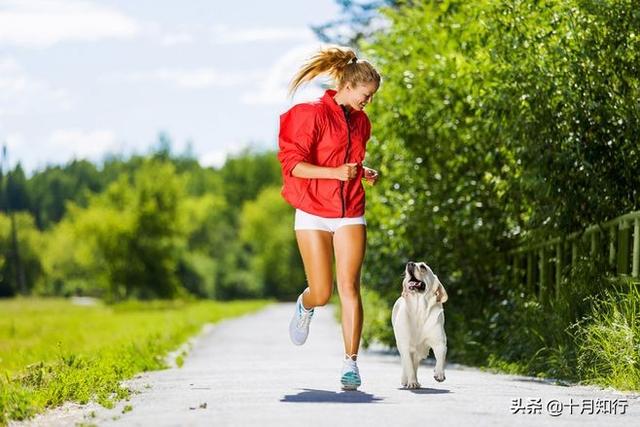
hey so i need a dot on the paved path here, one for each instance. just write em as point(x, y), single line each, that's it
point(246, 372)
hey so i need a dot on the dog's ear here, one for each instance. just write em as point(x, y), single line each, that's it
point(441, 293)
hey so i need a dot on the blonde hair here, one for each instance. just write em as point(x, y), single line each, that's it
point(340, 63)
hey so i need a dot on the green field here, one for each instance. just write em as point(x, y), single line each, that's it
point(52, 351)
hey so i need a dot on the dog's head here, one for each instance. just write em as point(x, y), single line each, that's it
point(418, 278)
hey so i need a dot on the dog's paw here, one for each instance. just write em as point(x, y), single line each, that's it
point(439, 376)
point(412, 384)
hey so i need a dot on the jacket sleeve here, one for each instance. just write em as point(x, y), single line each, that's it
point(367, 129)
point(298, 132)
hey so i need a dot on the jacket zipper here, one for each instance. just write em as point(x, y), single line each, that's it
point(346, 158)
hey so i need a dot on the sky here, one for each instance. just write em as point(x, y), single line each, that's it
point(84, 78)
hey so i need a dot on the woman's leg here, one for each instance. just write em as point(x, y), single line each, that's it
point(349, 242)
point(316, 250)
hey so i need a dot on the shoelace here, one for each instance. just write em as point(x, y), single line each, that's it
point(304, 319)
point(351, 366)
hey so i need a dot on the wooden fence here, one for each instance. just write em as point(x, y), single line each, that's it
point(541, 266)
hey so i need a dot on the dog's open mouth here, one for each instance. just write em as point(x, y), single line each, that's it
point(416, 285)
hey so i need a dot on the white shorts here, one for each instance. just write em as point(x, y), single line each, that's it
point(307, 221)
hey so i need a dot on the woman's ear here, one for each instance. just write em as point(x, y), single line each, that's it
point(441, 293)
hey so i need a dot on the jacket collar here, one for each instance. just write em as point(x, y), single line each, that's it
point(333, 105)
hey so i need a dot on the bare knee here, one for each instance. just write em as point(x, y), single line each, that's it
point(320, 298)
point(349, 291)
point(324, 300)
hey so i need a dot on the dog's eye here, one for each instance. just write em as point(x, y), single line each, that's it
point(423, 267)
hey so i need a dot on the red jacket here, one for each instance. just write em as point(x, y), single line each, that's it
point(320, 133)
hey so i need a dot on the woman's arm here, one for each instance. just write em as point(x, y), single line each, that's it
point(307, 170)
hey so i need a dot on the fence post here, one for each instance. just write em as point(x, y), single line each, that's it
point(543, 273)
point(612, 246)
point(636, 248)
point(558, 267)
point(623, 247)
point(530, 271)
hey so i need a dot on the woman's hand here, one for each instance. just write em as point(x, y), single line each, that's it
point(346, 172)
point(370, 175)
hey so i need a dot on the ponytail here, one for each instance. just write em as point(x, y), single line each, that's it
point(340, 63)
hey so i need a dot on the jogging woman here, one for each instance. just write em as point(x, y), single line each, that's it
point(322, 147)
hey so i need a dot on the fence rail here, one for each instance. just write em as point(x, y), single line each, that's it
point(542, 265)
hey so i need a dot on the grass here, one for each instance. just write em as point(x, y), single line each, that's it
point(609, 340)
point(52, 351)
point(600, 346)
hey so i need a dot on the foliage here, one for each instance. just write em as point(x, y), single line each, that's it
point(476, 136)
point(52, 351)
point(377, 312)
point(499, 122)
point(437, 140)
point(608, 340)
point(266, 229)
point(358, 21)
point(246, 174)
point(127, 241)
point(149, 226)
point(28, 264)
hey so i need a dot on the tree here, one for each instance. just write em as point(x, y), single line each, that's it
point(358, 22)
point(266, 229)
point(127, 242)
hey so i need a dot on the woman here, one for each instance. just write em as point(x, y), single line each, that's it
point(322, 146)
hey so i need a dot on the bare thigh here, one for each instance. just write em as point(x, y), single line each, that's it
point(316, 249)
point(349, 244)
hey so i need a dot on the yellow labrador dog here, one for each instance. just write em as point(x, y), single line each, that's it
point(418, 322)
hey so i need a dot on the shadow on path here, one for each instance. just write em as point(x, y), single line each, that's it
point(425, 390)
point(323, 396)
point(545, 381)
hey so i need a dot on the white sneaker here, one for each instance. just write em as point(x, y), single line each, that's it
point(299, 326)
point(350, 378)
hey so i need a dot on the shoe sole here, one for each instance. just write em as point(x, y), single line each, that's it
point(350, 383)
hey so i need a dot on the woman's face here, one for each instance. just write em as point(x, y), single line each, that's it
point(359, 96)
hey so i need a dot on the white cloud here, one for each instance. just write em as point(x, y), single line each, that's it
point(15, 142)
point(175, 39)
point(20, 93)
point(201, 78)
point(196, 78)
point(12, 79)
point(223, 34)
point(60, 146)
point(216, 158)
point(82, 144)
point(273, 86)
point(42, 23)
point(226, 35)
point(16, 147)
